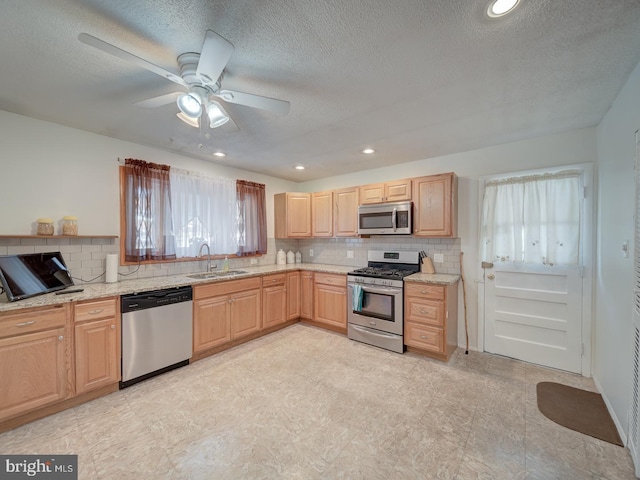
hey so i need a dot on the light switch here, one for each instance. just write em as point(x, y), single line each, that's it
point(438, 257)
point(311, 252)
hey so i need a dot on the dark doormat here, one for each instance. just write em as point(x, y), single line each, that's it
point(577, 409)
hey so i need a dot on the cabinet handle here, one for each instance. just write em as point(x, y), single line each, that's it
point(423, 311)
point(60, 337)
point(424, 337)
point(112, 327)
point(95, 312)
point(25, 324)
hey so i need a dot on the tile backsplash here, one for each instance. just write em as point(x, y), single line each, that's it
point(85, 257)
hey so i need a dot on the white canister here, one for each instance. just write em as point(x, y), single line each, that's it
point(298, 257)
point(281, 257)
point(291, 258)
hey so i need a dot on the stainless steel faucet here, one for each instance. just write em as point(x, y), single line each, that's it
point(209, 268)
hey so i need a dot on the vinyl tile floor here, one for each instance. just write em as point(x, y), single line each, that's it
point(304, 403)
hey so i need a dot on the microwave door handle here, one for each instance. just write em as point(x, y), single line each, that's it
point(393, 219)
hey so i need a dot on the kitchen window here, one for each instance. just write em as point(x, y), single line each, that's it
point(168, 213)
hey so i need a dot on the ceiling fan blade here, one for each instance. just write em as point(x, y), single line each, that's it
point(216, 52)
point(129, 57)
point(255, 101)
point(159, 101)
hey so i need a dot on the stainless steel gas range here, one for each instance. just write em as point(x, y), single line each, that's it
point(375, 305)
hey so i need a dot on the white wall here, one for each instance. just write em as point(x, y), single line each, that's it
point(48, 170)
point(614, 282)
point(577, 146)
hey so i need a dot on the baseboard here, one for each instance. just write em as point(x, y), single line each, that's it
point(616, 421)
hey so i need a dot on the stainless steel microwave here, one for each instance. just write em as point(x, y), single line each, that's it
point(385, 219)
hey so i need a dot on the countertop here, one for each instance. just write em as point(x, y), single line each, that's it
point(101, 290)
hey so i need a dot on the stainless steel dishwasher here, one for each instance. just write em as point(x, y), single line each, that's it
point(157, 333)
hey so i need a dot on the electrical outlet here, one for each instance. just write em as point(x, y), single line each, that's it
point(254, 261)
point(438, 257)
point(311, 252)
point(349, 253)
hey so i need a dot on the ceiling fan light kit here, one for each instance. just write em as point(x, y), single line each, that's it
point(193, 122)
point(190, 104)
point(217, 115)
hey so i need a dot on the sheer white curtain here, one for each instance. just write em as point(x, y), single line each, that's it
point(532, 219)
point(204, 211)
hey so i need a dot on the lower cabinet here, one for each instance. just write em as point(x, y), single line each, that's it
point(431, 318)
point(293, 295)
point(306, 295)
point(274, 300)
point(225, 311)
point(35, 359)
point(330, 300)
point(97, 344)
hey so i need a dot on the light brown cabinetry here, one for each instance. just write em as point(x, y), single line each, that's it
point(395, 191)
point(431, 319)
point(292, 215)
point(225, 311)
point(330, 300)
point(322, 214)
point(346, 212)
point(35, 359)
point(435, 203)
point(293, 295)
point(306, 295)
point(274, 299)
point(97, 344)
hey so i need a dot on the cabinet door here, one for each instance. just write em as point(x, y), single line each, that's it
point(372, 193)
point(274, 305)
point(245, 313)
point(397, 191)
point(293, 295)
point(435, 206)
point(33, 371)
point(96, 354)
point(346, 212)
point(298, 215)
point(322, 214)
point(330, 305)
point(211, 322)
point(306, 295)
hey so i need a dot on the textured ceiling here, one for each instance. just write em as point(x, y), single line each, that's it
point(413, 79)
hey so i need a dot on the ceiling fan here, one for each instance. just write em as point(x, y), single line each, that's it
point(201, 76)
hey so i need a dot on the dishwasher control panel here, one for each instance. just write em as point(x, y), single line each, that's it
point(155, 298)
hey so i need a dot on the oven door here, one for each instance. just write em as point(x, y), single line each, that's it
point(381, 308)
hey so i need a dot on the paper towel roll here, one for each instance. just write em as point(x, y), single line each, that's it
point(112, 268)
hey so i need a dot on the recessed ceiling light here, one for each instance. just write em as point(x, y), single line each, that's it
point(299, 167)
point(368, 151)
point(219, 154)
point(498, 8)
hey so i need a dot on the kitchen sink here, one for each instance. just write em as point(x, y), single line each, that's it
point(228, 273)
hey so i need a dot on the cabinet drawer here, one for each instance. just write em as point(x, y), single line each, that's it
point(19, 323)
point(95, 310)
point(420, 310)
point(226, 287)
point(331, 279)
point(425, 290)
point(421, 336)
point(278, 279)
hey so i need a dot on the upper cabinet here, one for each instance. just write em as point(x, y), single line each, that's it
point(322, 214)
point(346, 212)
point(292, 215)
point(435, 205)
point(396, 191)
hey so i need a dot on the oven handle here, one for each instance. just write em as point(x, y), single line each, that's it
point(385, 291)
point(364, 330)
point(393, 219)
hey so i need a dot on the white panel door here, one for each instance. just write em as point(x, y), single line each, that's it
point(534, 313)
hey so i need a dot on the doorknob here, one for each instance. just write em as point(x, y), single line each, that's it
point(491, 276)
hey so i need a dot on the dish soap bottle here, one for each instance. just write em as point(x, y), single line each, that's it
point(225, 264)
